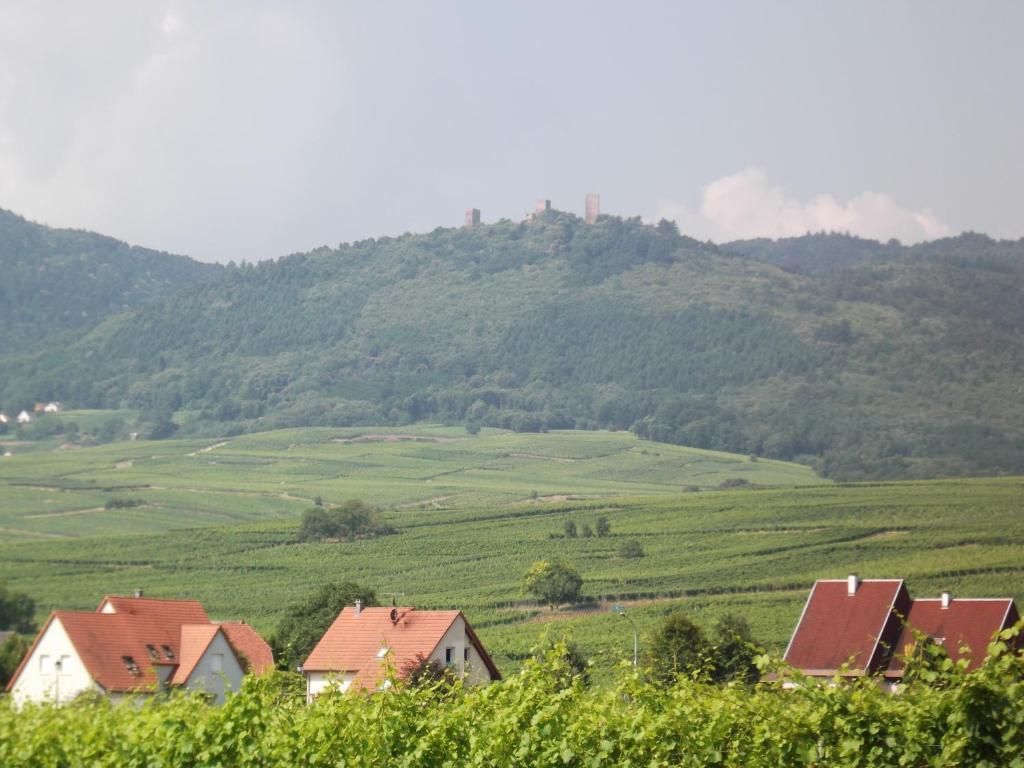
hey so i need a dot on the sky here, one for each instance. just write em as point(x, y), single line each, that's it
point(250, 130)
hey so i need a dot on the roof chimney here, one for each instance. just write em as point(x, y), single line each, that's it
point(946, 600)
point(852, 582)
point(137, 592)
point(359, 607)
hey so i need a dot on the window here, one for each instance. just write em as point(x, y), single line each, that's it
point(45, 664)
point(217, 662)
point(151, 649)
point(465, 653)
point(168, 653)
point(130, 665)
point(449, 654)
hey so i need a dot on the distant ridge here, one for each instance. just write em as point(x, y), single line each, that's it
point(866, 360)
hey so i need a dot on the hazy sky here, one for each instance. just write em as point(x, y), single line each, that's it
point(250, 130)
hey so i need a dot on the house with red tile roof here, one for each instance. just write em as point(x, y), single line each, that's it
point(137, 646)
point(853, 627)
point(364, 645)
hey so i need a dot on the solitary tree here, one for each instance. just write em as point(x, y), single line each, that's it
point(585, 531)
point(553, 582)
point(304, 624)
point(604, 528)
point(678, 647)
point(631, 549)
point(570, 529)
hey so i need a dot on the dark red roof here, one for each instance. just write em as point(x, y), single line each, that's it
point(352, 642)
point(837, 628)
point(966, 622)
point(246, 641)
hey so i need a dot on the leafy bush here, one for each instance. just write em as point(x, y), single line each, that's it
point(123, 503)
point(305, 623)
point(350, 520)
point(553, 582)
point(631, 549)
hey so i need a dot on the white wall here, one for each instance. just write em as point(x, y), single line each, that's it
point(474, 668)
point(38, 680)
point(206, 676)
point(318, 682)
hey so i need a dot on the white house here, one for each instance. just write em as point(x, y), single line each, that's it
point(363, 643)
point(25, 417)
point(4, 419)
point(51, 408)
point(137, 646)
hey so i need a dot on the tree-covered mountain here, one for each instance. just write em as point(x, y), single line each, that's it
point(57, 284)
point(867, 360)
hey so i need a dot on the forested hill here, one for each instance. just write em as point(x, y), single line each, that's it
point(883, 362)
point(56, 284)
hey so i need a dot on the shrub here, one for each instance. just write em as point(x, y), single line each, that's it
point(631, 550)
point(350, 520)
point(553, 582)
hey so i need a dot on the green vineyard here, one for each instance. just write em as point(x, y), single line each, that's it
point(543, 717)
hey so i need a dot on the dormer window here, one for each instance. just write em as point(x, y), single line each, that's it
point(153, 654)
point(168, 653)
point(130, 665)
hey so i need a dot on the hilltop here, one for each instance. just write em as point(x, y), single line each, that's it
point(865, 360)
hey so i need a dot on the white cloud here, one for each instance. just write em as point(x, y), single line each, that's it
point(747, 204)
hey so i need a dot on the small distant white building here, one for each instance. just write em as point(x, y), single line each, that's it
point(25, 417)
point(363, 643)
point(4, 419)
point(131, 646)
point(51, 408)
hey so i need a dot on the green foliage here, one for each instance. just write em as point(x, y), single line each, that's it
point(734, 651)
point(123, 503)
point(569, 529)
point(537, 719)
point(17, 610)
point(60, 283)
point(631, 549)
point(12, 651)
point(603, 527)
point(306, 622)
point(677, 648)
point(350, 520)
point(553, 582)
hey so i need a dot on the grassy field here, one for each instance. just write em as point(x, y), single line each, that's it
point(465, 539)
point(62, 491)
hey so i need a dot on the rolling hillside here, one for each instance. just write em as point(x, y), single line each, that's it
point(57, 284)
point(861, 359)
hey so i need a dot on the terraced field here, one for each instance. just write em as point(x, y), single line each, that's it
point(188, 483)
point(465, 538)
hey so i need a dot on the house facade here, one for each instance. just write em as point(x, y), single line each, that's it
point(853, 628)
point(132, 646)
point(364, 646)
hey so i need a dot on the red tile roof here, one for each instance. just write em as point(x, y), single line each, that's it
point(353, 641)
point(195, 639)
point(247, 642)
point(837, 628)
point(103, 639)
point(966, 622)
point(169, 612)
